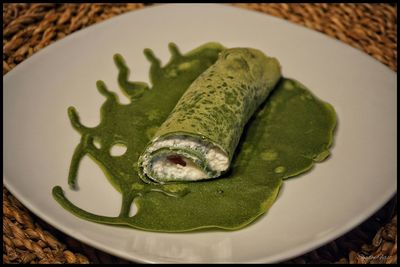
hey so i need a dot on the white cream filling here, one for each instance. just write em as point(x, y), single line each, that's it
point(165, 169)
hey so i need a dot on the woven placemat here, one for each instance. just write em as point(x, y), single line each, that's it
point(28, 28)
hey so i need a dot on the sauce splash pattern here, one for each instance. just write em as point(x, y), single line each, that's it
point(291, 131)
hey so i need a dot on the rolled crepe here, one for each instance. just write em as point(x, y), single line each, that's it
point(198, 139)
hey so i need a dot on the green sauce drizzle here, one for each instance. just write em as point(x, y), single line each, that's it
point(289, 133)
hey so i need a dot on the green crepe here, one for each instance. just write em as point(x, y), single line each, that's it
point(198, 139)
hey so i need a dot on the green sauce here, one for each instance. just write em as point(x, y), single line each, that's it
point(289, 133)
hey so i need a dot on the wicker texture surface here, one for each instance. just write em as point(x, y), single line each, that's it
point(28, 28)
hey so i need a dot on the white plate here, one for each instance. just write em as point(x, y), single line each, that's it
point(335, 196)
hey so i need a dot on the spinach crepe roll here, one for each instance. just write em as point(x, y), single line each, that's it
point(198, 139)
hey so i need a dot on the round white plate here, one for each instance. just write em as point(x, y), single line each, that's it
point(311, 210)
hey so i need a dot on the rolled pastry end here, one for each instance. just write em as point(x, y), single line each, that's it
point(182, 158)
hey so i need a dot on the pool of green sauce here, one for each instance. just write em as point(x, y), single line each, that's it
point(291, 131)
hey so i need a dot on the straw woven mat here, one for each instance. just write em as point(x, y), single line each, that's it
point(28, 28)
